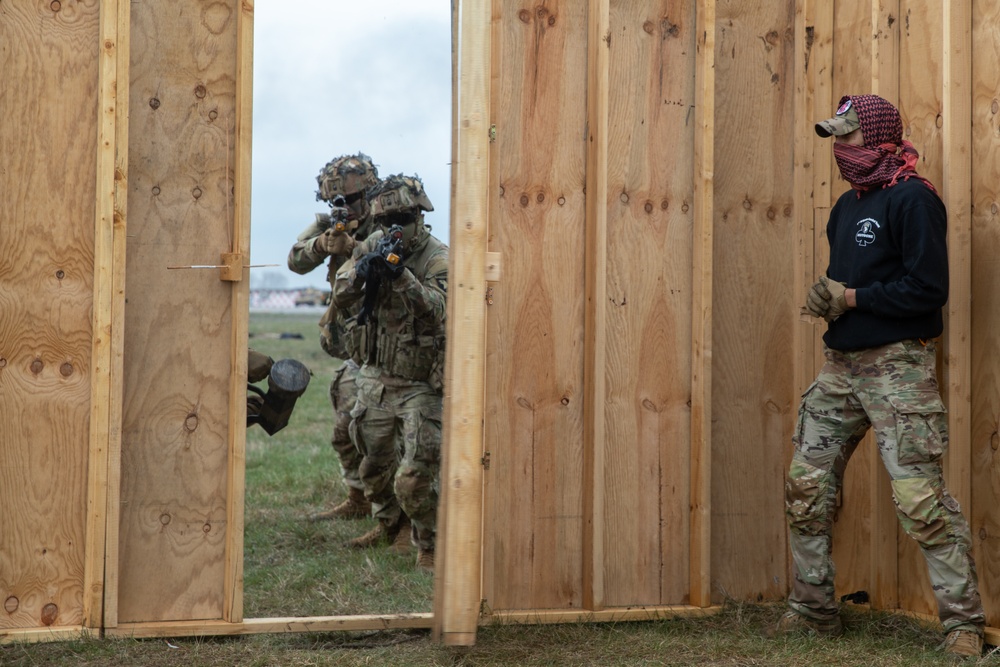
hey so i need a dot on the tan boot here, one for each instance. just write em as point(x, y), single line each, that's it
point(356, 506)
point(379, 535)
point(401, 542)
point(964, 643)
point(793, 622)
point(425, 560)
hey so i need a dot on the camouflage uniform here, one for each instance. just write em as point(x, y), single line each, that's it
point(397, 418)
point(338, 336)
point(892, 389)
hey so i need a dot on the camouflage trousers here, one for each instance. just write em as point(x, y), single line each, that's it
point(893, 390)
point(343, 395)
point(397, 427)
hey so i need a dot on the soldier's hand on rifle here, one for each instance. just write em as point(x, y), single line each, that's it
point(366, 267)
point(334, 242)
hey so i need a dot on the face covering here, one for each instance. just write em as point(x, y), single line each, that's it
point(886, 157)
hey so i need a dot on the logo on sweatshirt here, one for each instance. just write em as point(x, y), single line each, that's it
point(866, 233)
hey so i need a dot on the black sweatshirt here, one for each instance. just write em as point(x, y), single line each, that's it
point(889, 245)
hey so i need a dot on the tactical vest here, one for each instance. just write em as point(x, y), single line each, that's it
point(411, 349)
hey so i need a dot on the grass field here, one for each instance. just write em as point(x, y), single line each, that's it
point(297, 568)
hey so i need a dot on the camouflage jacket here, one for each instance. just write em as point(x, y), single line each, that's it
point(337, 331)
point(405, 337)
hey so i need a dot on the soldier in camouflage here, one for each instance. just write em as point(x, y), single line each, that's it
point(344, 183)
point(397, 418)
point(882, 296)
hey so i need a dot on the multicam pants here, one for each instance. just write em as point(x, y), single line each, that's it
point(892, 389)
point(397, 427)
point(343, 394)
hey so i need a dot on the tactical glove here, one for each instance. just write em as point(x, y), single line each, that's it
point(366, 267)
point(333, 242)
point(837, 300)
point(818, 299)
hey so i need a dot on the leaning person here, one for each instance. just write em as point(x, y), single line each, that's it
point(882, 296)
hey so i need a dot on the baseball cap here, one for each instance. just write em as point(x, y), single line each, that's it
point(843, 122)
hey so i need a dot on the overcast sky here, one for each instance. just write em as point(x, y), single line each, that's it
point(334, 77)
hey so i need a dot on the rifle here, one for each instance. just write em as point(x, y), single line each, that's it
point(385, 261)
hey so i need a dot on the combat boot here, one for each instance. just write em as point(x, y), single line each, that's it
point(425, 559)
point(964, 643)
point(792, 622)
point(356, 506)
point(401, 542)
point(379, 535)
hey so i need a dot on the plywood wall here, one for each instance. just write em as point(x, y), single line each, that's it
point(775, 69)
point(178, 322)
point(48, 171)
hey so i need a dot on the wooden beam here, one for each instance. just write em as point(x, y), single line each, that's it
point(610, 615)
point(232, 610)
point(957, 194)
point(272, 626)
point(701, 311)
point(117, 302)
point(41, 635)
point(107, 267)
point(884, 527)
point(459, 551)
point(595, 316)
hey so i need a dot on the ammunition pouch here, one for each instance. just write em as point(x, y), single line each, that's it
point(286, 381)
point(410, 356)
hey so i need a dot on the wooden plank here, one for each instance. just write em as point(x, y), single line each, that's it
point(458, 564)
point(535, 335)
point(851, 23)
point(609, 615)
point(921, 80)
point(752, 323)
point(106, 262)
point(255, 626)
point(42, 635)
point(232, 609)
point(491, 493)
point(179, 326)
point(985, 248)
point(956, 186)
point(648, 197)
point(48, 261)
point(807, 143)
point(700, 578)
point(596, 294)
point(115, 400)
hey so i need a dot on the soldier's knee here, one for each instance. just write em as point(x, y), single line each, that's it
point(928, 513)
point(808, 498)
point(409, 483)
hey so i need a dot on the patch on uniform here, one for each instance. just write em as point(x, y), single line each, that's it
point(866, 235)
point(844, 108)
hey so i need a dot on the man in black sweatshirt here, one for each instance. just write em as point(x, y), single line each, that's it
point(882, 296)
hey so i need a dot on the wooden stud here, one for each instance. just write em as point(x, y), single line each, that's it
point(105, 263)
point(957, 193)
point(458, 562)
point(595, 288)
point(701, 320)
point(232, 610)
point(113, 495)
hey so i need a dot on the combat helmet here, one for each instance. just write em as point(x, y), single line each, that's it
point(348, 175)
point(400, 194)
